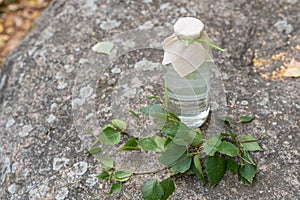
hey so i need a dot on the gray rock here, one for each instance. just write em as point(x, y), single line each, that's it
point(54, 90)
point(284, 26)
point(80, 168)
point(62, 194)
point(10, 122)
point(25, 130)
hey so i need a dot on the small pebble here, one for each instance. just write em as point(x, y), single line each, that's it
point(69, 68)
point(284, 26)
point(25, 130)
point(58, 163)
point(51, 118)
point(80, 168)
point(85, 92)
point(62, 85)
point(91, 181)
point(116, 70)
point(165, 6)
point(62, 194)
point(146, 25)
point(12, 188)
point(10, 122)
point(244, 103)
point(109, 24)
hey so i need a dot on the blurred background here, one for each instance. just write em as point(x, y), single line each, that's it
point(16, 19)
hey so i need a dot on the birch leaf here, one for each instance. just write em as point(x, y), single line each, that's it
point(103, 47)
point(293, 69)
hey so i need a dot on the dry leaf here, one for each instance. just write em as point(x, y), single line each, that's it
point(292, 69)
point(103, 47)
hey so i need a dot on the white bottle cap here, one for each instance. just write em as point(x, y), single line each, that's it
point(188, 28)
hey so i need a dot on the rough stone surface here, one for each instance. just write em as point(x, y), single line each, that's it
point(41, 144)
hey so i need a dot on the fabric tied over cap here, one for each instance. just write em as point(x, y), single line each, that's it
point(184, 53)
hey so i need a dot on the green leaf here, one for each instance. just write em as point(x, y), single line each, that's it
point(211, 44)
point(248, 172)
point(168, 188)
point(211, 145)
point(148, 144)
point(232, 165)
point(155, 97)
point(152, 190)
point(248, 145)
point(245, 155)
point(153, 110)
point(215, 169)
point(173, 117)
point(110, 136)
point(103, 47)
point(115, 188)
point(198, 138)
point(225, 119)
point(107, 162)
point(93, 151)
point(130, 145)
point(227, 148)
point(197, 169)
point(134, 114)
point(292, 71)
point(119, 124)
point(172, 153)
point(184, 164)
point(246, 119)
point(122, 176)
point(171, 131)
point(104, 175)
point(232, 135)
point(160, 142)
point(184, 136)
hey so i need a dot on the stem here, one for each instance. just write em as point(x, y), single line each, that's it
point(249, 141)
point(245, 160)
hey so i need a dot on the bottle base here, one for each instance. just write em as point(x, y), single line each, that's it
point(195, 121)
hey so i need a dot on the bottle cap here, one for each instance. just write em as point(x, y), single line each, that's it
point(188, 28)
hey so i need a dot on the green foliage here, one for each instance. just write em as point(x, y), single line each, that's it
point(104, 175)
point(181, 150)
point(130, 145)
point(211, 145)
point(232, 165)
point(119, 124)
point(183, 164)
point(115, 188)
point(110, 136)
point(197, 169)
point(107, 162)
point(225, 119)
point(250, 143)
point(122, 176)
point(215, 169)
point(248, 172)
point(198, 139)
point(227, 148)
point(153, 110)
point(168, 187)
point(160, 142)
point(93, 151)
point(148, 144)
point(134, 114)
point(172, 154)
point(152, 190)
point(246, 119)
